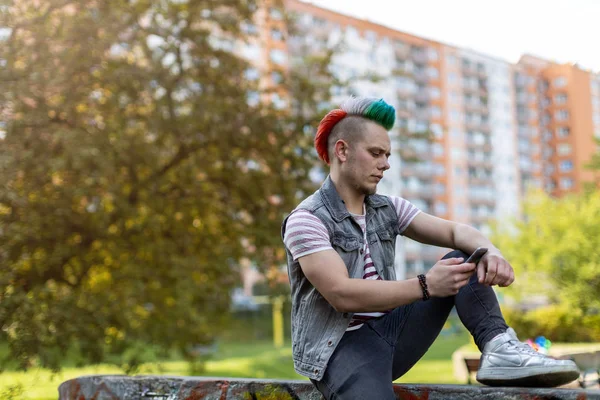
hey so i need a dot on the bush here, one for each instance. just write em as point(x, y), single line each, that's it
point(556, 322)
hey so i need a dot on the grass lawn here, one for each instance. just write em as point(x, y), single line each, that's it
point(247, 360)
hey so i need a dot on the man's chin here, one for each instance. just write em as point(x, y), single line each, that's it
point(369, 190)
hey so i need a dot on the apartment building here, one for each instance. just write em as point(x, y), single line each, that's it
point(466, 169)
point(474, 133)
point(562, 109)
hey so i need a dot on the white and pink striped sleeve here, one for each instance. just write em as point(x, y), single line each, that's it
point(405, 210)
point(305, 234)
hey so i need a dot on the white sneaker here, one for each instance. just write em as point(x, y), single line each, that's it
point(508, 362)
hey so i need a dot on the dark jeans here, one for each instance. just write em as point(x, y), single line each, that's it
point(367, 360)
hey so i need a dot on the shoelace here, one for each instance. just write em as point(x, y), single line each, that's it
point(524, 348)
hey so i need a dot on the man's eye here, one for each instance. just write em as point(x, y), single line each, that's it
point(376, 153)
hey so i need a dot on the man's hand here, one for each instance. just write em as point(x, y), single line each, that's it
point(447, 276)
point(493, 269)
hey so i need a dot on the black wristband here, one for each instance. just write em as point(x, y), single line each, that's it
point(423, 283)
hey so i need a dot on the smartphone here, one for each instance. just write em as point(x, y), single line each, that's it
point(476, 256)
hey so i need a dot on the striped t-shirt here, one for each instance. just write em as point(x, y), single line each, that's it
point(305, 234)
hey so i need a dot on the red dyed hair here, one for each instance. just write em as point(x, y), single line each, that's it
point(324, 129)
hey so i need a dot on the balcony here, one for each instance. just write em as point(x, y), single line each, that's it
point(422, 170)
point(470, 89)
point(421, 114)
point(485, 147)
point(480, 162)
point(420, 75)
point(469, 69)
point(476, 107)
point(404, 92)
point(402, 52)
point(422, 96)
point(422, 191)
point(419, 57)
point(480, 218)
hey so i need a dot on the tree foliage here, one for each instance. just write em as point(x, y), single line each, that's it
point(556, 254)
point(135, 173)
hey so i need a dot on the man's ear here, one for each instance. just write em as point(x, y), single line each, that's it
point(341, 150)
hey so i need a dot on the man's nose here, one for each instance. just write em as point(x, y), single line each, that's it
point(385, 166)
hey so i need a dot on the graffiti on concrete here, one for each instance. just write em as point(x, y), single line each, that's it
point(193, 388)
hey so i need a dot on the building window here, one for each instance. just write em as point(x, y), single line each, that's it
point(276, 13)
point(434, 92)
point(566, 165)
point(278, 102)
point(251, 74)
point(351, 32)
point(561, 115)
point(559, 81)
point(276, 34)
point(421, 126)
point(252, 98)
point(563, 149)
point(436, 112)
point(566, 183)
point(562, 132)
point(456, 133)
point(433, 55)
point(251, 52)
point(455, 116)
point(371, 36)
point(276, 77)
point(560, 98)
point(437, 131)
point(433, 73)
point(440, 208)
point(278, 56)
point(459, 210)
point(249, 28)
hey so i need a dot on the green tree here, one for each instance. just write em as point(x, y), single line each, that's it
point(555, 253)
point(136, 171)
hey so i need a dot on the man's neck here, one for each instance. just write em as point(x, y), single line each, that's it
point(354, 202)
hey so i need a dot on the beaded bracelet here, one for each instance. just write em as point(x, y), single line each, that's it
point(423, 283)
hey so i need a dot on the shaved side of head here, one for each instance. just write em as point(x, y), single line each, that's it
point(351, 130)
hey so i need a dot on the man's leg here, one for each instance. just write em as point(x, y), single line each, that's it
point(419, 324)
point(505, 360)
point(360, 368)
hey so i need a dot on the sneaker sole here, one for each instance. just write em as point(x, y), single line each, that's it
point(528, 377)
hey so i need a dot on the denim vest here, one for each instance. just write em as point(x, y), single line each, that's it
point(317, 327)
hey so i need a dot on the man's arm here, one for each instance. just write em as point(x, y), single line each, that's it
point(493, 268)
point(327, 273)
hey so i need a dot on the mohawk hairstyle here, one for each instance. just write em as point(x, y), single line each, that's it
point(370, 108)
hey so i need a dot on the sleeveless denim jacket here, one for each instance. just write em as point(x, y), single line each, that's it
point(317, 327)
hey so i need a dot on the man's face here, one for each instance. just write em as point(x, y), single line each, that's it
point(367, 159)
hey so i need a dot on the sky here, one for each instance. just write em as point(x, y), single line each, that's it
point(558, 30)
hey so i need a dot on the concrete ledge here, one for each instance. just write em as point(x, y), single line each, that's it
point(103, 387)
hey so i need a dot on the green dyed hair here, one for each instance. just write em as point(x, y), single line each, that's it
point(371, 108)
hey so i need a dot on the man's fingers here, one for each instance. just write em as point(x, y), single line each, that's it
point(481, 272)
point(492, 270)
point(463, 276)
point(452, 261)
point(464, 268)
point(509, 280)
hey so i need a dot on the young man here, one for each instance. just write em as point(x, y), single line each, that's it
point(355, 328)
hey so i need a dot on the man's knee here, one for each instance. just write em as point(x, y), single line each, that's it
point(456, 254)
